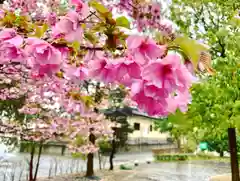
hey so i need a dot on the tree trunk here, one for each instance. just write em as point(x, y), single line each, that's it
point(90, 157)
point(221, 153)
point(179, 144)
point(100, 160)
point(31, 162)
point(38, 161)
point(112, 154)
point(233, 153)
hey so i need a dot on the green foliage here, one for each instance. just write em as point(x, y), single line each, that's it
point(171, 157)
point(26, 146)
point(39, 31)
point(214, 108)
point(79, 155)
point(105, 147)
point(79, 140)
point(125, 167)
point(215, 104)
point(209, 21)
point(123, 22)
point(116, 98)
point(99, 7)
point(175, 124)
point(10, 108)
point(190, 47)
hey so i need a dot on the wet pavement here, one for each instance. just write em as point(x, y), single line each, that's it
point(177, 171)
point(191, 171)
point(164, 171)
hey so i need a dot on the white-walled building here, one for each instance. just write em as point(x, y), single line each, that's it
point(143, 127)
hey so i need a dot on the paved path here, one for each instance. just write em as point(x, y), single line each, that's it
point(175, 171)
point(192, 171)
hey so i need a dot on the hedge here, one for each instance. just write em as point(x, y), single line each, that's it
point(172, 157)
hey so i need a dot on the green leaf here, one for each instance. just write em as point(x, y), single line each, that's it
point(79, 140)
point(123, 22)
point(236, 107)
point(44, 28)
point(91, 37)
point(79, 155)
point(98, 7)
point(88, 100)
point(75, 45)
point(100, 27)
point(222, 32)
point(177, 118)
point(191, 48)
point(40, 30)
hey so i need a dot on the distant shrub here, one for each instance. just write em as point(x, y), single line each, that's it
point(171, 157)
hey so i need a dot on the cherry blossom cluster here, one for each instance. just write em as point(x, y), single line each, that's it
point(49, 61)
point(153, 80)
point(61, 122)
point(147, 14)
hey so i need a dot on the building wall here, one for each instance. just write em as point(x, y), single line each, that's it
point(144, 135)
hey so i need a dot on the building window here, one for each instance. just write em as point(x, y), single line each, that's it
point(136, 126)
point(150, 129)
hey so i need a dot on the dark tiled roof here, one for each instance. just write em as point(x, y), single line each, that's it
point(128, 111)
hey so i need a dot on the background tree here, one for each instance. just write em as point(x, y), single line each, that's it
point(208, 21)
point(118, 114)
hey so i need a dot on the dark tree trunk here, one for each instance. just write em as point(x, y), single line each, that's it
point(2, 1)
point(179, 144)
point(31, 162)
point(233, 153)
point(100, 160)
point(63, 150)
point(221, 153)
point(90, 171)
point(38, 161)
point(112, 154)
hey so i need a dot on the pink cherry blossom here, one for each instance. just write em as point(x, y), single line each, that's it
point(9, 35)
point(51, 76)
point(168, 74)
point(144, 49)
point(81, 7)
point(127, 68)
point(44, 58)
point(147, 101)
point(180, 101)
point(92, 55)
point(52, 18)
point(156, 9)
point(149, 104)
point(102, 69)
point(76, 73)
point(2, 14)
point(69, 27)
point(65, 51)
point(9, 52)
